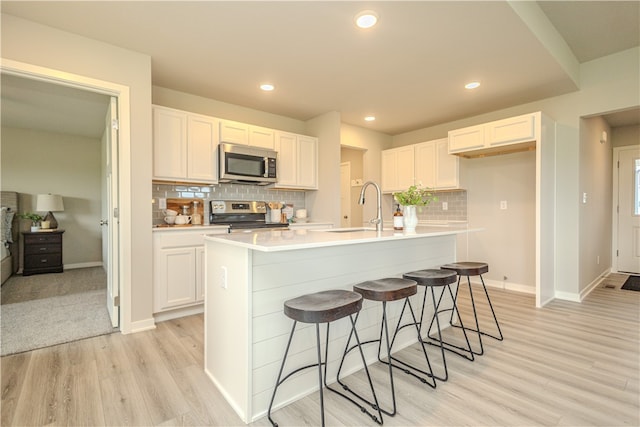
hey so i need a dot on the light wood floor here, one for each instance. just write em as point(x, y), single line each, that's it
point(568, 364)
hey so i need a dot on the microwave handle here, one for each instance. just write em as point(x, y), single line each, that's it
point(266, 167)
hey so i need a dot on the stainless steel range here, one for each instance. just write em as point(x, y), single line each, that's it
point(242, 216)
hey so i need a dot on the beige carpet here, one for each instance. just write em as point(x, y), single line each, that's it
point(48, 309)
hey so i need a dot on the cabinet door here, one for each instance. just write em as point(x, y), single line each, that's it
point(200, 273)
point(202, 143)
point(425, 164)
point(465, 139)
point(307, 175)
point(169, 143)
point(175, 278)
point(405, 168)
point(234, 132)
point(287, 148)
point(262, 137)
point(447, 175)
point(389, 181)
point(511, 131)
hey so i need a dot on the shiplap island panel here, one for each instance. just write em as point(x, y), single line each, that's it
point(250, 275)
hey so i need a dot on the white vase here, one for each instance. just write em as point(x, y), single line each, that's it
point(410, 219)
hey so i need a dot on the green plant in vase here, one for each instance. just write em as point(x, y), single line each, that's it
point(34, 217)
point(415, 195)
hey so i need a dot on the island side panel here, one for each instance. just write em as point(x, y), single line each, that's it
point(278, 276)
point(227, 323)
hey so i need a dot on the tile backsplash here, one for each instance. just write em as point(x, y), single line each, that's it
point(221, 192)
point(456, 201)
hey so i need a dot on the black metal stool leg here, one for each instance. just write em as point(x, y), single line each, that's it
point(493, 313)
point(377, 419)
point(278, 382)
point(320, 370)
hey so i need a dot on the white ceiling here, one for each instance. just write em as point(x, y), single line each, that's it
point(408, 71)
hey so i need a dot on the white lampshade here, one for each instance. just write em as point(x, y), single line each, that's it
point(49, 203)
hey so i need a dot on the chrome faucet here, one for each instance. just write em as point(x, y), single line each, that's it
point(378, 219)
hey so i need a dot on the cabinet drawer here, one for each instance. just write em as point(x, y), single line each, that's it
point(35, 239)
point(42, 249)
point(42, 261)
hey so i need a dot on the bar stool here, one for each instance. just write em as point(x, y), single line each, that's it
point(386, 290)
point(323, 307)
point(431, 279)
point(475, 269)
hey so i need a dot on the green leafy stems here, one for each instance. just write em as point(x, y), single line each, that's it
point(416, 195)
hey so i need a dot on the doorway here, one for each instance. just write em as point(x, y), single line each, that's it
point(103, 212)
point(626, 202)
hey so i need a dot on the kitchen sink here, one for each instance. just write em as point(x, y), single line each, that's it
point(348, 230)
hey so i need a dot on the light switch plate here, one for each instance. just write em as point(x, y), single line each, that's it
point(503, 205)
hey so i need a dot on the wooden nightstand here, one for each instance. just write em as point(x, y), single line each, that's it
point(42, 252)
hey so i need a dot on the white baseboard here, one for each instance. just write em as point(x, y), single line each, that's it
point(594, 284)
point(142, 325)
point(508, 286)
point(180, 312)
point(567, 296)
point(83, 265)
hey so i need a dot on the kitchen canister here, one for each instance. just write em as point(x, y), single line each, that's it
point(276, 215)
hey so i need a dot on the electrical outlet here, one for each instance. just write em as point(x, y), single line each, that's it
point(503, 205)
point(584, 198)
point(445, 206)
point(162, 203)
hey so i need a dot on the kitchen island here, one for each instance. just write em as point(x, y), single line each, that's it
point(250, 275)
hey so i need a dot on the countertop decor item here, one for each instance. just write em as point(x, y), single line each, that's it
point(50, 203)
point(415, 195)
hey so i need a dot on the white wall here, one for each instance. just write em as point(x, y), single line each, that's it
point(625, 135)
point(596, 160)
point(354, 158)
point(43, 46)
point(324, 204)
point(35, 162)
point(211, 107)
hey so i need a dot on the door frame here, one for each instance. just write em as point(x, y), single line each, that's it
point(615, 202)
point(121, 92)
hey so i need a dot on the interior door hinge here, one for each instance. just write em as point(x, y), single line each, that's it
point(115, 212)
point(116, 301)
point(617, 252)
point(115, 125)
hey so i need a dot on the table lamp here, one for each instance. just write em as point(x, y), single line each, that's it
point(50, 203)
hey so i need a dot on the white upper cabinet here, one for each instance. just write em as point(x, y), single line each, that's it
point(184, 146)
point(398, 169)
point(234, 132)
point(169, 143)
point(434, 166)
point(202, 153)
point(297, 161)
point(501, 136)
point(262, 137)
point(244, 134)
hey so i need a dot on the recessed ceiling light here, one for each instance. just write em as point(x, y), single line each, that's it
point(472, 85)
point(366, 19)
point(267, 87)
point(369, 118)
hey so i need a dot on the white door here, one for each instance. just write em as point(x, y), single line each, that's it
point(110, 223)
point(345, 194)
point(628, 210)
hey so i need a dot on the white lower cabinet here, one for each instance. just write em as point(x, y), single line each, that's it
point(178, 268)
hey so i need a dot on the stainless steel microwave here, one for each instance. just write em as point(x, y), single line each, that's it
point(247, 165)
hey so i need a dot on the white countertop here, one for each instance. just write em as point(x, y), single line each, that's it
point(188, 227)
point(286, 240)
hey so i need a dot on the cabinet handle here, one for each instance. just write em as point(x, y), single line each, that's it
point(43, 249)
point(43, 261)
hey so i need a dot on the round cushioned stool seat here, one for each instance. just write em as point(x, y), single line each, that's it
point(467, 268)
point(389, 289)
point(323, 307)
point(432, 277)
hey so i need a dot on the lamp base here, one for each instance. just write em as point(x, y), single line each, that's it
point(53, 223)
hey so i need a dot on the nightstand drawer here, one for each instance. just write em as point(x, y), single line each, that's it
point(43, 261)
point(40, 249)
point(42, 238)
